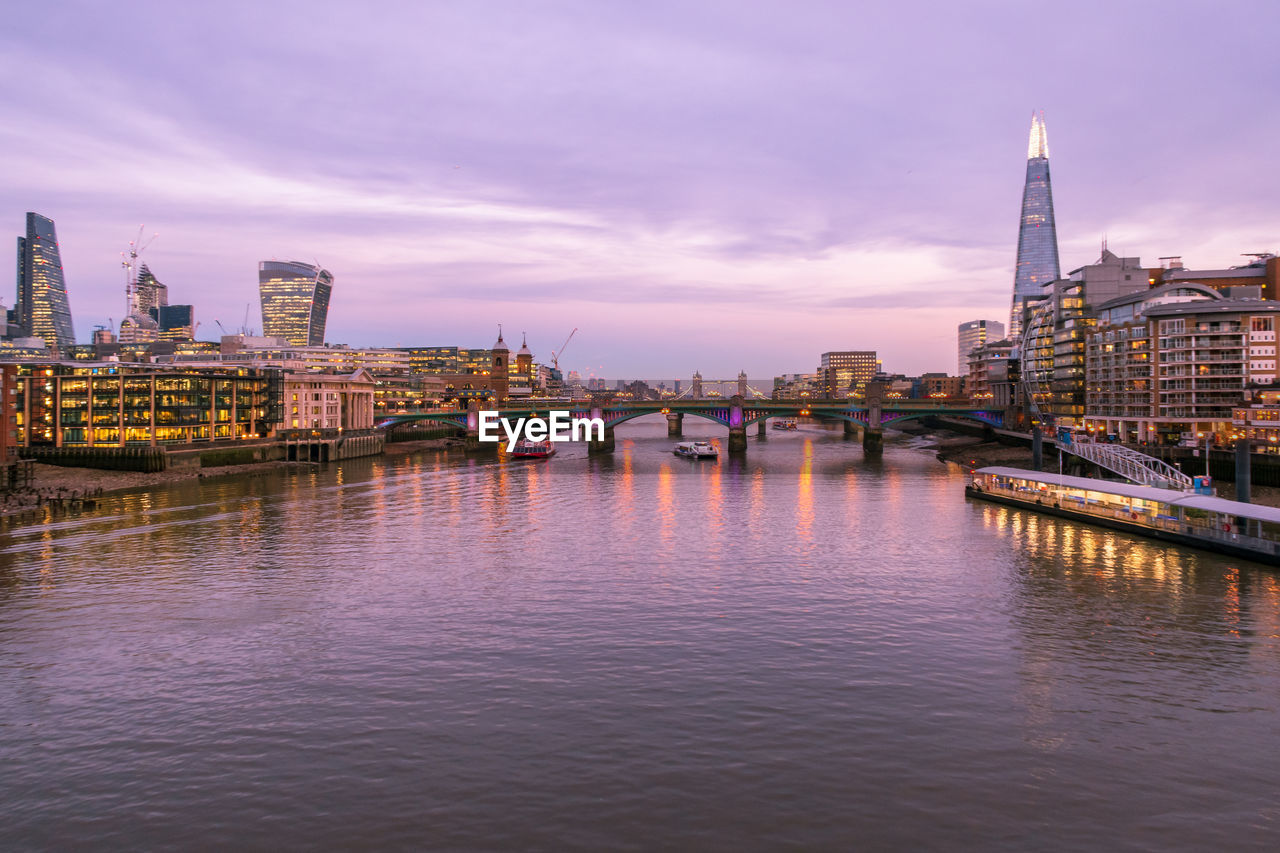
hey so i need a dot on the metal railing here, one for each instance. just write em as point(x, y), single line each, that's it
point(1130, 464)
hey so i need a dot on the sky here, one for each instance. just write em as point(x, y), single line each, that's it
point(711, 186)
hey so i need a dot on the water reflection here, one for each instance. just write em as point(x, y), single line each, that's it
point(496, 654)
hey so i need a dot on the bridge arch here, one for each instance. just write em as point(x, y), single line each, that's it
point(610, 423)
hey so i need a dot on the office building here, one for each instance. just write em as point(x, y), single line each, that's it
point(844, 374)
point(43, 310)
point(972, 335)
point(295, 301)
point(1037, 261)
point(177, 322)
point(74, 404)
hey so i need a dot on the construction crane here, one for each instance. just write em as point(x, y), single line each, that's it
point(555, 356)
point(220, 326)
point(129, 260)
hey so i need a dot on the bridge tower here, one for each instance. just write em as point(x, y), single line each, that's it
point(696, 391)
point(742, 384)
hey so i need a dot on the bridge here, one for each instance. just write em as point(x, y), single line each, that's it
point(868, 415)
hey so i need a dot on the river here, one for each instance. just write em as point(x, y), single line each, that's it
point(800, 648)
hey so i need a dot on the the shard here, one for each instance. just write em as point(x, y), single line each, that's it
point(1037, 238)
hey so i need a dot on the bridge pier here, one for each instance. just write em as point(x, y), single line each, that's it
point(873, 442)
point(738, 439)
point(598, 446)
point(473, 444)
point(761, 431)
point(675, 425)
point(1037, 449)
point(850, 429)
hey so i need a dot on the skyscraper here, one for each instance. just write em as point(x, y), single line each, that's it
point(972, 335)
point(1037, 238)
point(43, 310)
point(149, 294)
point(295, 301)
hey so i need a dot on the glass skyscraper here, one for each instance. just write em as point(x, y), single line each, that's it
point(1037, 263)
point(295, 301)
point(42, 310)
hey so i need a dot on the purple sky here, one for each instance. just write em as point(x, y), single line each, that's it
point(711, 186)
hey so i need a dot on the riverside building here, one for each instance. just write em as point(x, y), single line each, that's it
point(1178, 362)
point(328, 401)
point(75, 404)
point(1052, 346)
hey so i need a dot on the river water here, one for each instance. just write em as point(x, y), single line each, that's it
point(800, 648)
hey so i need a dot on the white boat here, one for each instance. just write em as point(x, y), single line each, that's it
point(696, 450)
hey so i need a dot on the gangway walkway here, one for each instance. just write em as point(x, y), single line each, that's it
point(1131, 464)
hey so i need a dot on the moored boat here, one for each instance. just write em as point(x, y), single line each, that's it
point(1186, 518)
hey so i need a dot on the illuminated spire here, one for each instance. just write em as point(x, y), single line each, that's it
point(1037, 263)
point(1038, 145)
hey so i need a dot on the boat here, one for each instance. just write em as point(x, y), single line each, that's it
point(784, 423)
point(526, 449)
point(696, 450)
point(1187, 518)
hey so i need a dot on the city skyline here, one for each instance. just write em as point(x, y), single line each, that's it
point(713, 188)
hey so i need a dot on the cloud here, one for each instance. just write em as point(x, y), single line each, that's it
point(758, 164)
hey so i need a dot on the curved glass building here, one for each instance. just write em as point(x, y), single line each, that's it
point(295, 301)
point(43, 310)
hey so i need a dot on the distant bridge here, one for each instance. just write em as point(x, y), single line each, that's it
point(869, 415)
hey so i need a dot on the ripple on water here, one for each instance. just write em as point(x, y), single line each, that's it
point(801, 648)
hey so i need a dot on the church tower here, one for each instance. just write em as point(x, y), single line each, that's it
point(499, 380)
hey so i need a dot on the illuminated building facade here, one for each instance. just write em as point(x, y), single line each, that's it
point(328, 401)
point(991, 375)
point(43, 310)
point(1177, 361)
point(177, 322)
point(1037, 262)
point(972, 335)
point(1052, 347)
point(842, 374)
point(73, 404)
point(295, 301)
